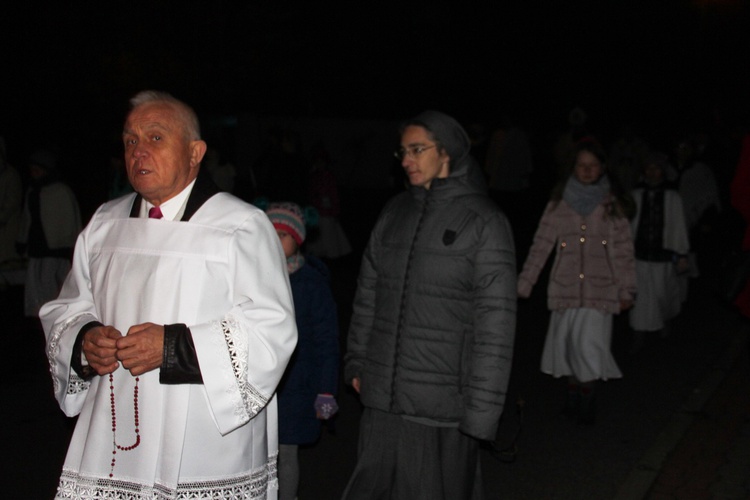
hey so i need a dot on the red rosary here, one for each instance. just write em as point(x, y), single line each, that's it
point(114, 422)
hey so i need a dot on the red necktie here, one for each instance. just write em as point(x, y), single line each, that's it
point(155, 213)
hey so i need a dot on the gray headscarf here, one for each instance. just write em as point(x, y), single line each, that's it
point(446, 130)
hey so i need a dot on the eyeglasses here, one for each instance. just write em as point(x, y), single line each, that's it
point(412, 151)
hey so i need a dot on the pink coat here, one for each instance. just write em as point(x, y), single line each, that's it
point(594, 264)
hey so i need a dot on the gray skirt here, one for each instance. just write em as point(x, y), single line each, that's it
point(399, 459)
point(659, 294)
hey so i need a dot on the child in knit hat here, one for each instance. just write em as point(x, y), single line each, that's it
point(307, 391)
point(289, 221)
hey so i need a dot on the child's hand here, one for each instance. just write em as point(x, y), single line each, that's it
point(325, 406)
point(523, 290)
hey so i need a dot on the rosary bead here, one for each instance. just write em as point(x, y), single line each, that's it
point(136, 421)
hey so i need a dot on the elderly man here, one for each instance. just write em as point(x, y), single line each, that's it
point(172, 330)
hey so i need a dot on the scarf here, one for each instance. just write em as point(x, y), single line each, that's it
point(294, 262)
point(584, 198)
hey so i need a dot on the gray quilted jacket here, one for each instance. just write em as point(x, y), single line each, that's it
point(433, 320)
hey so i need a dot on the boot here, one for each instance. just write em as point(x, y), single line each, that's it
point(587, 410)
point(573, 401)
point(637, 341)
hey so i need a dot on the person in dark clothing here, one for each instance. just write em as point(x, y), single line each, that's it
point(307, 392)
point(50, 225)
point(431, 337)
point(661, 249)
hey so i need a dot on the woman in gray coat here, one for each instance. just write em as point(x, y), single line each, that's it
point(431, 338)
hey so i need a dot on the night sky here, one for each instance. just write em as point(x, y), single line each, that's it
point(68, 69)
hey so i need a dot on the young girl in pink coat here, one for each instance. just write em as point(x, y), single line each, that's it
point(593, 277)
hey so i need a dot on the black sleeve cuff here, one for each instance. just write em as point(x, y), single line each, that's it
point(85, 372)
point(180, 361)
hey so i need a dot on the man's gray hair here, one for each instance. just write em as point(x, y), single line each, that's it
point(185, 112)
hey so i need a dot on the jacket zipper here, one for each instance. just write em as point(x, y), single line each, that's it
point(402, 309)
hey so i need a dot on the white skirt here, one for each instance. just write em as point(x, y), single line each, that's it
point(578, 343)
point(659, 293)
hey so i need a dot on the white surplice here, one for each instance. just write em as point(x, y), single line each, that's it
point(223, 274)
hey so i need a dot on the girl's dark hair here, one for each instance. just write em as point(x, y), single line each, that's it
point(589, 144)
point(592, 146)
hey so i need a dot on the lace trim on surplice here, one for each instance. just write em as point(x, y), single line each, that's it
point(273, 471)
point(250, 401)
point(75, 383)
point(253, 485)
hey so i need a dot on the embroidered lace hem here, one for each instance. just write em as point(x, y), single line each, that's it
point(251, 400)
point(254, 485)
point(75, 384)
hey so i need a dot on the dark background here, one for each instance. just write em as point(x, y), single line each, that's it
point(667, 68)
point(68, 68)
